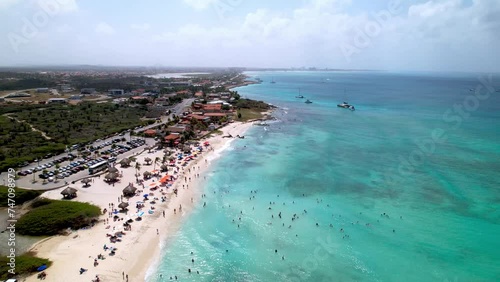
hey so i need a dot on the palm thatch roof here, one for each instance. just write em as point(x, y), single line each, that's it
point(147, 160)
point(69, 192)
point(86, 181)
point(147, 174)
point(111, 176)
point(123, 205)
point(164, 167)
point(129, 190)
point(125, 162)
point(113, 170)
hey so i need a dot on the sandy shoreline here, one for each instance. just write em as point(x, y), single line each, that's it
point(140, 247)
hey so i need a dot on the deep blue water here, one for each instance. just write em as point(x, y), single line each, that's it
point(405, 188)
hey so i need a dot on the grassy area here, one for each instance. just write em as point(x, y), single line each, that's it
point(25, 264)
point(18, 143)
point(50, 217)
point(64, 124)
point(21, 195)
point(249, 114)
point(70, 124)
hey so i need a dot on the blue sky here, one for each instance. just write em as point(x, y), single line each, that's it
point(431, 35)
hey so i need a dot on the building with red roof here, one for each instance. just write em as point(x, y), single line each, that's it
point(150, 132)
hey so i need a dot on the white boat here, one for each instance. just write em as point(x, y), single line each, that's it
point(300, 96)
point(346, 105)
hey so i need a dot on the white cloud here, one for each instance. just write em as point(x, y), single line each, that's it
point(64, 28)
point(141, 27)
point(200, 4)
point(428, 35)
point(104, 28)
point(58, 6)
point(4, 4)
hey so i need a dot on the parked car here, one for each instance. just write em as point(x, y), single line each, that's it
point(43, 176)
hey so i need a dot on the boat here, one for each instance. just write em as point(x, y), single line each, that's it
point(272, 80)
point(308, 101)
point(300, 96)
point(346, 105)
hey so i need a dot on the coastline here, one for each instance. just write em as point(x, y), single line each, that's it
point(140, 250)
point(244, 83)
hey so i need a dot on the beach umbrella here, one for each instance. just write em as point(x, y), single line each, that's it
point(153, 184)
point(86, 181)
point(163, 167)
point(69, 192)
point(113, 170)
point(123, 205)
point(129, 190)
point(146, 174)
point(165, 178)
point(125, 162)
point(111, 176)
point(41, 267)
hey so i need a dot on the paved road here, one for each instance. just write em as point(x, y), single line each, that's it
point(176, 110)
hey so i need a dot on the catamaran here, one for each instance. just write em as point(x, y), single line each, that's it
point(346, 105)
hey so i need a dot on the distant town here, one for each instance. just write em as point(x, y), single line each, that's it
point(54, 111)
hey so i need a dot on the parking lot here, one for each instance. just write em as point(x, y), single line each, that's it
point(68, 167)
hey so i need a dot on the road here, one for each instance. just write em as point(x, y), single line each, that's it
point(176, 110)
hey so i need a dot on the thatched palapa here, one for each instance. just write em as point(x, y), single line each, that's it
point(69, 192)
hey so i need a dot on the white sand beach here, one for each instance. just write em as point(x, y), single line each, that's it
point(140, 247)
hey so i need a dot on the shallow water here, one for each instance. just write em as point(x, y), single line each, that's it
point(403, 204)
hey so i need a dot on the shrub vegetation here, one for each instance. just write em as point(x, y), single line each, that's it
point(51, 217)
point(21, 195)
point(25, 264)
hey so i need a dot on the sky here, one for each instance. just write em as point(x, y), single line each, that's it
point(416, 35)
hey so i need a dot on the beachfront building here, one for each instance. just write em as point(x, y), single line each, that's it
point(213, 96)
point(150, 133)
point(211, 108)
point(172, 139)
point(178, 128)
point(198, 117)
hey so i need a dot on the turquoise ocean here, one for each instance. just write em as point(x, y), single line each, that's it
point(405, 188)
